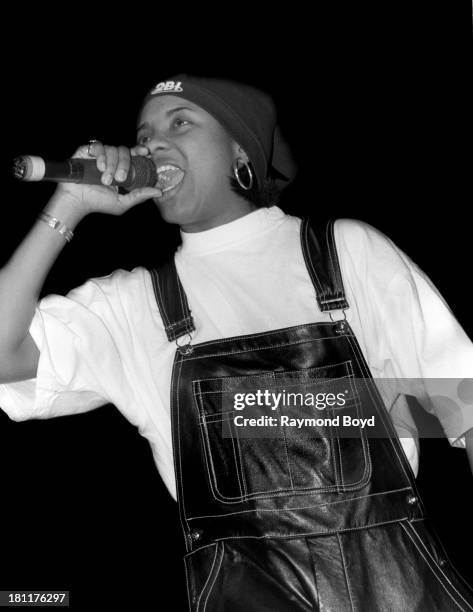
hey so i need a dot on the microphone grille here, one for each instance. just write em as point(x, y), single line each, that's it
point(20, 167)
point(143, 175)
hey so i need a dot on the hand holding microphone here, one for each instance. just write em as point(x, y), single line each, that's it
point(92, 175)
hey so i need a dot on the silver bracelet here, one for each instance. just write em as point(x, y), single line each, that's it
point(55, 224)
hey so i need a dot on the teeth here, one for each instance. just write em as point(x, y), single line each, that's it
point(169, 176)
point(167, 167)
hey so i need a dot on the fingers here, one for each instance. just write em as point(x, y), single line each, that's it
point(83, 152)
point(113, 162)
point(107, 160)
point(95, 149)
point(123, 164)
point(140, 150)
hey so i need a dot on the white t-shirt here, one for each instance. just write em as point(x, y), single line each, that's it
point(105, 342)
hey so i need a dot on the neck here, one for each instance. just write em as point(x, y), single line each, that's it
point(226, 213)
point(248, 230)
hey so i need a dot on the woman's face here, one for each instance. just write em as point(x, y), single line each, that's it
point(182, 134)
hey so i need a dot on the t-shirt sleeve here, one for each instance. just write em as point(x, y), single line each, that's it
point(79, 363)
point(415, 337)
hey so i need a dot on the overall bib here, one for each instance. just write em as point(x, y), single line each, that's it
point(292, 522)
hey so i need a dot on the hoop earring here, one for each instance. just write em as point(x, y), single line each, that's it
point(237, 175)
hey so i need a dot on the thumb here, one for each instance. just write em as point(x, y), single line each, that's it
point(140, 195)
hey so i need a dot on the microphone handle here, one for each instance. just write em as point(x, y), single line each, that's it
point(142, 171)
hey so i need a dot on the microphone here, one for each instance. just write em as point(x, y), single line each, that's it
point(142, 171)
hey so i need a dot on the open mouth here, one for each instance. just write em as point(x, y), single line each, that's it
point(169, 176)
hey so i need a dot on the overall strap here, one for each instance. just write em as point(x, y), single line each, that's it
point(172, 301)
point(320, 255)
point(321, 259)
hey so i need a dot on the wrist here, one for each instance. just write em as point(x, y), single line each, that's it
point(56, 224)
point(66, 208)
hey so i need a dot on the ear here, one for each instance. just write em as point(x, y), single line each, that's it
point(239, 152)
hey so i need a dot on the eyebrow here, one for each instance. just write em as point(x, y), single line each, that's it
point(169, 113)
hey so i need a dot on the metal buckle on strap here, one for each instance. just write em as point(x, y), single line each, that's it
point(335, 320)
point(341, 323)
point(187, 348)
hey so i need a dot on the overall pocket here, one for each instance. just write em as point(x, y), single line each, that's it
point(299, 451)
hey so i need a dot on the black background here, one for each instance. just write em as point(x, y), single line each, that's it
point(375, 105)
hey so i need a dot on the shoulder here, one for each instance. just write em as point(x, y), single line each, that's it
point(119, 289)
point(108, 308)
point(357, 233)
point(367, 251)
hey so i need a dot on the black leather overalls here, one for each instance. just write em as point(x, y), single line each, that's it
point(293, 523)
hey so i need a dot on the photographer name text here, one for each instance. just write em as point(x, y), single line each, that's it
point(286, 421)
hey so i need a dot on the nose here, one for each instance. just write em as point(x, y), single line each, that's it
point(157, 143)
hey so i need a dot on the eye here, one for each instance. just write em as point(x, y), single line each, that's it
point(179, 122)
point(142, 140)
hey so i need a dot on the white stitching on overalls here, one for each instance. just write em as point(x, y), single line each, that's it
point(322, 532)
point(208, 577)
point(221, 545)
point(209, 464)
point(382, 414)
point(155, 279)
point(364, 438)
point(188, 324)
point(189, 596)
point(333, 252)
point(264, 374)
point(183, 515)
point(179, 290)
point(331, 503)
point(267, 334)
point(308, 262)
point(267, 493)
point(209, 458)
point(339, 488)
point(345, 571)
point(196, 550)
point(185, 308)
point(337, 268)
point(287, 456)
point(170, 327)
point(307, 381)
point(240, 478)
point(261, 348)
point(329, 250)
